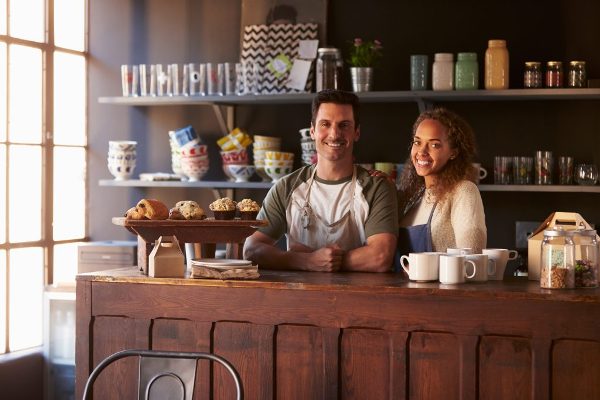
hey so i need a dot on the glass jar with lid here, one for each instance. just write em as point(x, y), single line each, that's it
point(532, 77)
point(442, 71)
point(586, 258)
point(577, 74)
point(557, 270)
point(329, 68)
point(466, 72)
point(496, 65)
point(554, 74)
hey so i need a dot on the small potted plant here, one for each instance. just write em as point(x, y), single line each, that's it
point(364, 55)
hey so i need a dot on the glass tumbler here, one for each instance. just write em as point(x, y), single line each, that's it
point(565, 170)
point(586, 174)
point(544, 164)
point(503, 170)
point(523, 170)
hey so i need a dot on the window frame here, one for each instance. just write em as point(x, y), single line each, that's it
point(47, 241)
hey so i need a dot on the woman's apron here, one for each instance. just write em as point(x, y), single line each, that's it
point(310, 230)
point(414, 239)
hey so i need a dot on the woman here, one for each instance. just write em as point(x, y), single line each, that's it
point(440, 207)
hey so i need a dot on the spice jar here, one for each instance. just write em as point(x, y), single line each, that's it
point(554, 74)
point(496, 65)
point(586, 258)
point(532, 77)
point(442, 74)
point(557, 268)
point(466, 75)
point(577, 74)
point(329, 68)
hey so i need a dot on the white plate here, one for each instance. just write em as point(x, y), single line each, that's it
point(221, 263)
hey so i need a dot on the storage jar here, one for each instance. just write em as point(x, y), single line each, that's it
point(496, 65)
point(532, 77)
point(586, 258)
point(466, 75)
point(329, 68)
point(442, 76)
point(557, 260)
point(577, 74)
point(554, 74)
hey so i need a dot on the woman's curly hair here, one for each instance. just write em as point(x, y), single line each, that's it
point(461, 138)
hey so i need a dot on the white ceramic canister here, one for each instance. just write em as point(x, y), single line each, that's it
point(442, 74)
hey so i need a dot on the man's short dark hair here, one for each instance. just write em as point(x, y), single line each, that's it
point(337, 97)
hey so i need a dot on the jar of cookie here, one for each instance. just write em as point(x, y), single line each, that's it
point(558, 260)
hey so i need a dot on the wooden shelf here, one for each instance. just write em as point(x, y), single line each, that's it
point(365, 97)
point(267, 185)
point(186, 184)
point(541, 188)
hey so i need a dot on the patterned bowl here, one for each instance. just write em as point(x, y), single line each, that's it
point(276, 173)
point(240, 172)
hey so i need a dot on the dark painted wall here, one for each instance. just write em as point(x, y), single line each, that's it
point(208, 30)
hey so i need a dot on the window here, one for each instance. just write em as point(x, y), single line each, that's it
point(43, 152)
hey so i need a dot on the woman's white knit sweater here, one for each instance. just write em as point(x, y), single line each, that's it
point(458, 221)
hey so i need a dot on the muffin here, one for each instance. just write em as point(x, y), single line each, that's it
point(223, 208)
point(248, 209)
point(189, 209)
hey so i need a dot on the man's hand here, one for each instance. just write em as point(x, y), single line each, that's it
point(381, 174)
point(326, 259)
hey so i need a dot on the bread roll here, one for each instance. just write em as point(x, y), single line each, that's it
point(152, 209)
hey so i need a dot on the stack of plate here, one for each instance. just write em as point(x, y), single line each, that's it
point(222, 268)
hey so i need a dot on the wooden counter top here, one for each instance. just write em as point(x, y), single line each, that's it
point(313, 335)
point(360, 282)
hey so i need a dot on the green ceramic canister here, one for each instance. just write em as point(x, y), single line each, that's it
point(466, 72)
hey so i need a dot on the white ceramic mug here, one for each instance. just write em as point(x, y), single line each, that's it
point(501, 257)
point(453, 269)
point(479, 172)
point(422, 267)
point(459, 251)
point(486, 267)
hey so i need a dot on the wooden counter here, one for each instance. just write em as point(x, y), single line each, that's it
point(347, 335)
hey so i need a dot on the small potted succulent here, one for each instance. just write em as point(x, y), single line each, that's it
point(364, 55)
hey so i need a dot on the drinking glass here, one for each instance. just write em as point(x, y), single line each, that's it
point(565, 170)
point(586, 174)
point(503, 170)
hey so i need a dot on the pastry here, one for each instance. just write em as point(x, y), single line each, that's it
point(152, 209)
point(133, 213)
point(190, 209)
point(248, 209)
point(223, 208)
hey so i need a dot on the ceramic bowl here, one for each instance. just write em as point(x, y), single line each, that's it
point(276, 173)
point(122, 145)
point(241, 173)
point(121, 172)
point(195, 150)
point(234, 157)
point(194, 173)
point(266, 142)
point(278, 163)
point(279, 155)
point(305, 134)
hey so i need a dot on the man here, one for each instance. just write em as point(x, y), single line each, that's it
point(335, 216)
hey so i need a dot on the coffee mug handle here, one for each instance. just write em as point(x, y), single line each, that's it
point(404, 267)
point(482, 173)
point(492, 270)
point(512, 254)
point(470, 276)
